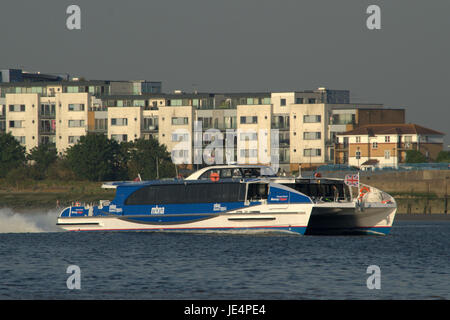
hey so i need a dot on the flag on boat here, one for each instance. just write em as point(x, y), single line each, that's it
point(352, 180)
point(138, 178)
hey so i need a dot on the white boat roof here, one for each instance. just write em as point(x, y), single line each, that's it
point(197, 174)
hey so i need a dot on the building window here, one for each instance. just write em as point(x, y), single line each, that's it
point(387, 154)
point(283, 102)
point(76, 123)
point(180, 154)
point(387, 139)
point(248, 136)
point(119, 121)
point(16, 124)
point(72, 89)
point(311, 135)
point(76, 107)
point(17, 108)
point(150, 123)
point(180, 120)
point(312, 118)
point(176, 102)
point(119, 137)
point(177, 137)
point(358, 139)
point(47, 110)
point(312, 100)
point(299, 100)
point(312, 152)
point(374, 145)
point(249, 120)
point(206, 122)
point(74, 139)
point(21, 139)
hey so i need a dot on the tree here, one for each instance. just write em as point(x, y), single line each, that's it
point(12, 154)
point(95, 157)
point(415, 156)
point(443, 156)
point(149, 159)
point(43, 156)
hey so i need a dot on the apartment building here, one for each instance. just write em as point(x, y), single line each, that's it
point(385, 145)
point(59, 111)
point(288, 128)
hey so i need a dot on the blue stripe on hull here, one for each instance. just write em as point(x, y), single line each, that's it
point(298, 230)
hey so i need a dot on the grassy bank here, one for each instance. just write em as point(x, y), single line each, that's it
point(47, 193)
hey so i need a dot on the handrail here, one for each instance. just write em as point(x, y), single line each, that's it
point(373, 195)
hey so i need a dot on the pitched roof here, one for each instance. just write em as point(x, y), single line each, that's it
point(371, 162)
point(404, 128)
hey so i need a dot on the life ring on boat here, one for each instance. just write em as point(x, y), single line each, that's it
point(214, 176)
point(362, 192)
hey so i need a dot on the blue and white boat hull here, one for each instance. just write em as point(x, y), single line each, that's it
point(256, 218)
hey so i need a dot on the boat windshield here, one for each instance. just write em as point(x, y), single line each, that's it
point(324, 191)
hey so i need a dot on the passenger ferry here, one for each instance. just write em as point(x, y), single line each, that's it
point(338, 208)
point(196, 205)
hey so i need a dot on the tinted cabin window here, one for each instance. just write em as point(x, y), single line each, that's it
point(190, 193)
point(257, 191)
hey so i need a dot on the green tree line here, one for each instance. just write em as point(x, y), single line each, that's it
point(93, 158)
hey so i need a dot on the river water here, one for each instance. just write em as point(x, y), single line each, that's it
point(35, 255)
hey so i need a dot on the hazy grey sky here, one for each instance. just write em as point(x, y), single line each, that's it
point(246, 45)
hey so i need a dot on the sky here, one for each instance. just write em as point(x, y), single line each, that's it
point(245, 46)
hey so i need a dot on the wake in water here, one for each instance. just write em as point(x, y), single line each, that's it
point(38, 220)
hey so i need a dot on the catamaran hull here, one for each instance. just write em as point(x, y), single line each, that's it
point(345, 220)
point(293, 220)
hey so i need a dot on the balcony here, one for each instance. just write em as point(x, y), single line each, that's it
point(407, 146)
point(47, 115)
point(153, 128)
point(47, 131)
point(341, 146)
point(284, 143)
point(279, 126)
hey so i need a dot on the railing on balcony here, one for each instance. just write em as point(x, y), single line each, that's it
point(279, 125)
point(407, 146)
point(47, 130)
point(150, 128)
point(341, 146)
point(284, 143)
point(49, 115)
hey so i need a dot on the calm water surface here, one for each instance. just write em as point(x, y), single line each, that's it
point(34, 256)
